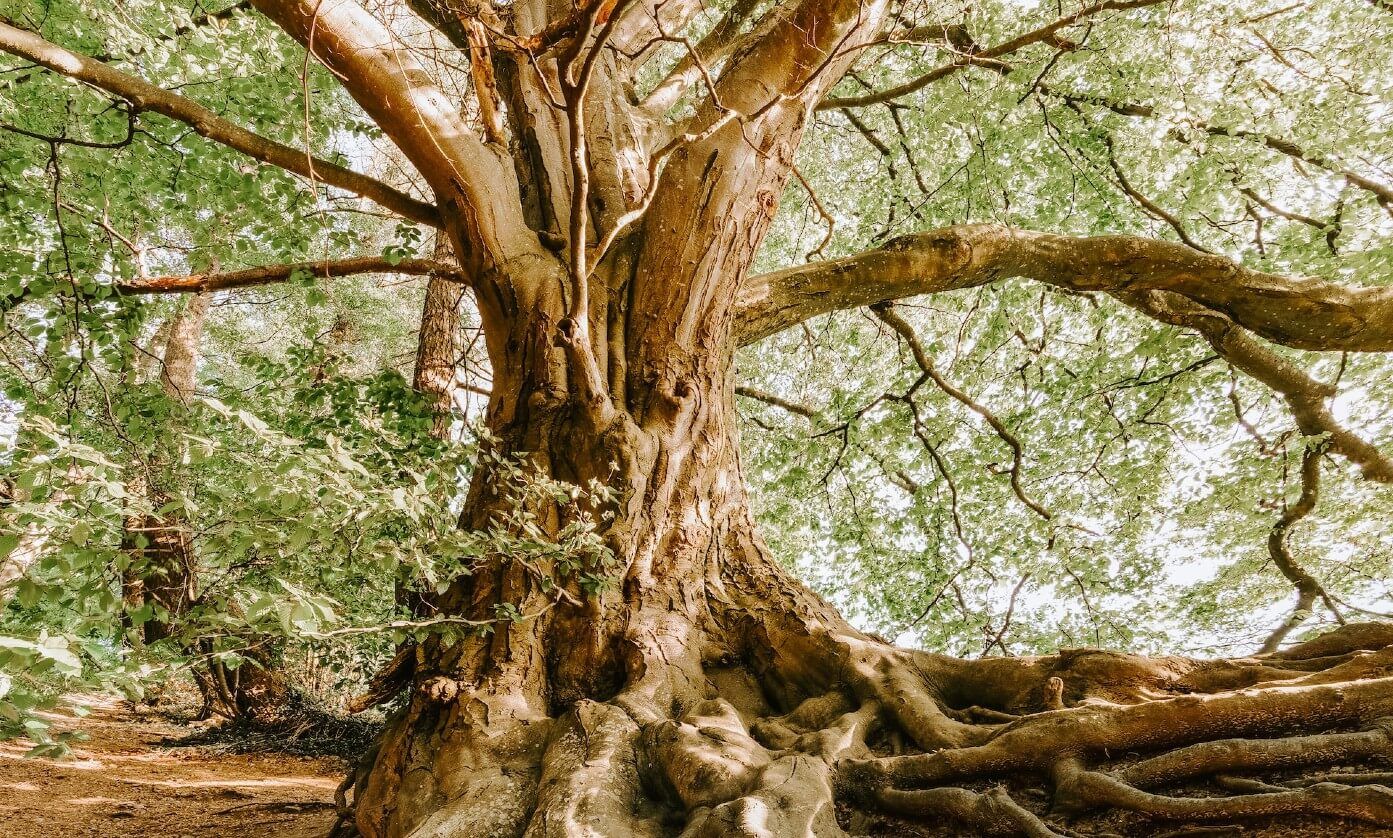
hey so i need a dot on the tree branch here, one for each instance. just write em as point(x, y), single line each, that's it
point(1149, 206)
point(892, 318)
point(328, 269)
point(723, 39)
point(1305, 396)
point(178, 32)
point(1308, 589)
point(1043, 34)
point(1383, 193)
point(1305, 313)
point(777, 401)
point(401, 98)
point(147, 97)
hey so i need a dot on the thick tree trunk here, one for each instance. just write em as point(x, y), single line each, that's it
point(705, 692)
point(494, 730)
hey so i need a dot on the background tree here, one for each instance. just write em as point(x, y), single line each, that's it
point(607, 174)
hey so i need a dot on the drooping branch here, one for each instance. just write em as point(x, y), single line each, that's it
point(892, 318)
point(1305, 396)
point(1382, 192)
point(1305, 313)
point(1149, 206)
point(1308, 589)
point(147, 97)
point(327, 269)
point(196, 22)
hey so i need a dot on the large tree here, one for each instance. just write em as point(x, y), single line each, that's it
point(606, 178)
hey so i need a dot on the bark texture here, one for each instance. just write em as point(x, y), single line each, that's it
point(704, 692)
point(438, 345)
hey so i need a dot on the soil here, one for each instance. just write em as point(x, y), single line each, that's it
point(127, 780)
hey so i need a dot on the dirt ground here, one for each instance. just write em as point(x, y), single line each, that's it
point(123, 782)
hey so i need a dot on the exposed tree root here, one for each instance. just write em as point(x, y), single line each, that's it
point(1334, 692)
point(813, 730)
point(991, 813)
point(1349, 778)
point(1225, 755)
point(1082, 788)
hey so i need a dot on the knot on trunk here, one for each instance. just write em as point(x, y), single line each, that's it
point(566, 330)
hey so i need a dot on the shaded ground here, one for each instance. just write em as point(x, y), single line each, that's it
point(125, 782)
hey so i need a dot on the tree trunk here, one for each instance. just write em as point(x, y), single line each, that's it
point(35, 537)
point(438, 345)
point(704, 692)
point(162, 574)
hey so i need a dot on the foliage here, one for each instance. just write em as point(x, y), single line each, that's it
point(1163, 498)
point(306, 515)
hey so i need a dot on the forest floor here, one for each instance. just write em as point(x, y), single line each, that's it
point(129, 779)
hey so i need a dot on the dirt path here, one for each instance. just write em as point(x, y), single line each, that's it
point(122, 782)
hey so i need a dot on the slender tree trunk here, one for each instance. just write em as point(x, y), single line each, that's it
point(162, 574)
point(438, 345)
point(34, 538)
point(437, 357)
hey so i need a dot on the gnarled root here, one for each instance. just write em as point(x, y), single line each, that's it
point(813, 730)
point(992, 812)
point(1326, 703)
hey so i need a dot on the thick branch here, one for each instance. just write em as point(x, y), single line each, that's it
point(1306, 313)
point(402, 99)
point(328, 269)
point(147, 97)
